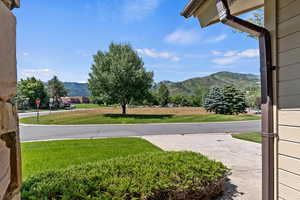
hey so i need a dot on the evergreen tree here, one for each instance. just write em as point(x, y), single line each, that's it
point(164, 95)
point(213, 101)
point(56, 90)
point(227, 100)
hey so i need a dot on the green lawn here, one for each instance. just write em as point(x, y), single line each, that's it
point(78, 106)
point(42, 156)
point(252, 137)
point(90, 118)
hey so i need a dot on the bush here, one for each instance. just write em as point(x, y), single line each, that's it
point(149, 176)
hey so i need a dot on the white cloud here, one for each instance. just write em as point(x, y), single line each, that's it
point(216, 39)
point(25, 54)
point(225, 61)
point(250, 53)
point(43, 74)
point(216, 53)
point(230, 53)
point(175, 59)
point(154, 54)
point(44, 71)
point(183, 37)
point(230, 57)
point(196, 56)
point(135, 10)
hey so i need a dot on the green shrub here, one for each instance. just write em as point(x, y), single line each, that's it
point(147, 176)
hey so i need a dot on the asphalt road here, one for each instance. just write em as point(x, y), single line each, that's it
point(54, 132)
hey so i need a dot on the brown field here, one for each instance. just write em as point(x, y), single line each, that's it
point(147, 110)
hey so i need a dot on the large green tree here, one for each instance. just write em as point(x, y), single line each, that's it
point(56, 90)
point(163, 95)
point(33, 89)
point(119, 76)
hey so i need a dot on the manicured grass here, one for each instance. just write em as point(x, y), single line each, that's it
point(146, 176)
point(41, 156)
point(78, 106)
point(252, 137)
point(73, 118)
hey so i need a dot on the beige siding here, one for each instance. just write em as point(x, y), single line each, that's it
point(289, 27)
point(289, 148)
point(288, 56)
point(291, 72)
point(286, 192)
point(284, 3)
point(289, 88)
point(289, 11)
point(289, 101)
point(289, 117)
point(289, 164)
point(289, 133)
point(290, 179)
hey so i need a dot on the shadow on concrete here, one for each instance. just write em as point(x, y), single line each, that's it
point(231, 192)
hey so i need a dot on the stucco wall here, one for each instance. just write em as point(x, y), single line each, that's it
point(10, 165)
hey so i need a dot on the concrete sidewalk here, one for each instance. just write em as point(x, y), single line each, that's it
point(244, 158)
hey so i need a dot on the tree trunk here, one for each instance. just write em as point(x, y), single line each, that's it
point(124, 109)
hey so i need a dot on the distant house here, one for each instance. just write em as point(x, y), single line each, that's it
point(75, 100)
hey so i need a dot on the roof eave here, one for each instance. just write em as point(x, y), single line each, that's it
point(191, 7)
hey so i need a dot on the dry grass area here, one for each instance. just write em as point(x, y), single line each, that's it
point(112, 115)
point(147, 111)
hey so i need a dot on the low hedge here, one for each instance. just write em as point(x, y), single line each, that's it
point(147, 176)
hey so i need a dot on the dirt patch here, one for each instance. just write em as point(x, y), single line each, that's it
point(147, 110)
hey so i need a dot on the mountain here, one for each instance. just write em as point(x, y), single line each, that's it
point(77, 89)
point(219, 79)
point(188, 87)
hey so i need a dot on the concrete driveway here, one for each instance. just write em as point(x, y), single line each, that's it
point(244, 158)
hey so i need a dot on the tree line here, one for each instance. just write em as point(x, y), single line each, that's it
point(31, 89)
point(118, 76)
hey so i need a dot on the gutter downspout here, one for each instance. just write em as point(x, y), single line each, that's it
point(266, 69)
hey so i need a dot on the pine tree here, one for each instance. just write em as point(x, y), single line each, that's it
point(163, 95)
point(227, 100)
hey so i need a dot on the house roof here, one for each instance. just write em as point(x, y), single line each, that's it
point(206, 11)
point(11, 4)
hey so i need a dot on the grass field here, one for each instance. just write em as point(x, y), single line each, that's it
point(135, 115)
point(80, 106)
point(252, 137)
point(41, 156)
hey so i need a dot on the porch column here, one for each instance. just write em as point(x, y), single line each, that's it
point(10, 163)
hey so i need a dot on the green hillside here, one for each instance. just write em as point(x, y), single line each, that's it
point(220, 79)
point(188, 87)
point(77, 89)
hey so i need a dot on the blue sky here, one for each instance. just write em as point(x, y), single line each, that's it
point(59, 37)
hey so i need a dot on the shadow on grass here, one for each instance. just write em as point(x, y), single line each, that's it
point(138, 116)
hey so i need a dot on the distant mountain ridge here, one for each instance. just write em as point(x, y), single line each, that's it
point(219, 79)
point(187, 87)
point(77, 89)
